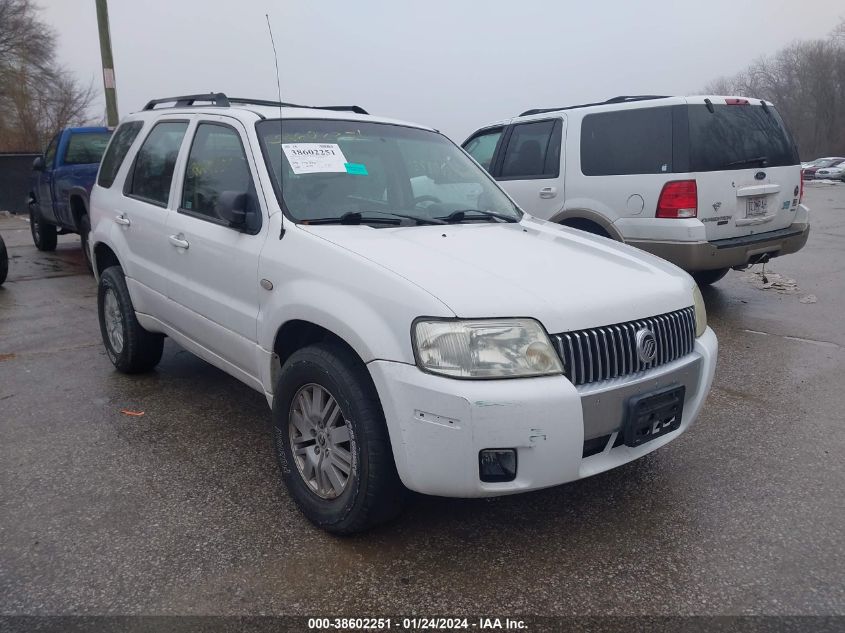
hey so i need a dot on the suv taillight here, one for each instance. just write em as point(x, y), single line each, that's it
point(801, 196)
point(679, 199)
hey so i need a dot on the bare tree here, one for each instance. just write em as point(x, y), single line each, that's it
point(37, 96)
point(806, 81)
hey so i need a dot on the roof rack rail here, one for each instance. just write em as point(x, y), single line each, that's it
point(619, 99)
point(220, 100)
point(213, 98)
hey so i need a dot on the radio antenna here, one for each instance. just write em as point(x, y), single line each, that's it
point(279, 92)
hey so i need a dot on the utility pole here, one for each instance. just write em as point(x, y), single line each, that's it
point(108, 62)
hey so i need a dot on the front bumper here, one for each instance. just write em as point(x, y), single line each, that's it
point(438, 425)
point(727, 253)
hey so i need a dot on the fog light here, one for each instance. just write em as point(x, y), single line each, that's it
point(497, 464)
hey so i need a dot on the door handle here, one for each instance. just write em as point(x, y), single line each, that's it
point(122, 220)
point(548, 192)
point(179, 241)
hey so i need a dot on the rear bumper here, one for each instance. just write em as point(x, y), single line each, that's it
point(737, 251)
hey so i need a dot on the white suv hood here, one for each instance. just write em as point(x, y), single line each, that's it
point(567, 279)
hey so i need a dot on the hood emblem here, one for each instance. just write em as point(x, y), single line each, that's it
point(646, 345)
point(760, 175)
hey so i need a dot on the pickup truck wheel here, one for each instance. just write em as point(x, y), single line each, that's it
point(131, 348)
point(4, 261)
point(707, 277)
point(84, 230)
point(43, 234)
point(331, 441)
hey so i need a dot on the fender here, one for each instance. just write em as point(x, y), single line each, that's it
point(369, 333)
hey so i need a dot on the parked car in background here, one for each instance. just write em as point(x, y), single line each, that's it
point(812, 163)
point(708, 183)
point(809, 173)
point(4, 261)
point(61, 185)
point(408, 324)
point(834, 172)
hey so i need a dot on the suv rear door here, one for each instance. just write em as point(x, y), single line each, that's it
point(745, 165)
point(141, 213)
point(526, 162)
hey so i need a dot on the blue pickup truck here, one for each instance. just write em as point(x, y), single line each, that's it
point(61, 185)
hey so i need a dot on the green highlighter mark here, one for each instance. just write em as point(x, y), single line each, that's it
point(356, 169)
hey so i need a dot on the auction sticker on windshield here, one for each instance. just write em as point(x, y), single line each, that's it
point(312, 158)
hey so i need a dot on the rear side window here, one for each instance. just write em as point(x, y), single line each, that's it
point(116, 152)
point(627, 142)
point(738, 137)
point(533, 151)
point(216, 163)
point(83, 149)
point(482, 146)
point(152, 172)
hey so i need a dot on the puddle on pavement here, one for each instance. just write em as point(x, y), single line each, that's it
point(775, 282)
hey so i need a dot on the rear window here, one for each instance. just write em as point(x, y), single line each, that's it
point(86, 148)
point(627, 142)
point(738, 137)
point(119, 146)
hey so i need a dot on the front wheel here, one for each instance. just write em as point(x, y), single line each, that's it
point(130, 348)
point(43, 234)
point(331, 441)
point(707, 277)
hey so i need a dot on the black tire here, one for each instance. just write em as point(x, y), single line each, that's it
point(707, 277)
point(84, 232)
point(43, 234)
point(140, 350)
point(373, 492)
point(4, 261)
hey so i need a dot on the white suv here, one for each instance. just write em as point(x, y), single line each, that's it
point(708, 183)
point(409, 325)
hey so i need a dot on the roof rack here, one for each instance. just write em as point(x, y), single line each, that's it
point(220, 100)
point(619, 99)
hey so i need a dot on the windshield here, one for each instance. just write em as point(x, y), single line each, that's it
point(829, 162)
point(738, 137)
point(364, 172)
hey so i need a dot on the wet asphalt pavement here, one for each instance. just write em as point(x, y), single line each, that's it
point(180, 511)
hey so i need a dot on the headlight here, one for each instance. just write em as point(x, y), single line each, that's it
point(488, 348)
point(700, 312)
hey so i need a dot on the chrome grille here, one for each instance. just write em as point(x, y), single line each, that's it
point(607, 352)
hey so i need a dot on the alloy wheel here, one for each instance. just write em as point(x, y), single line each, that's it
point(321, 441)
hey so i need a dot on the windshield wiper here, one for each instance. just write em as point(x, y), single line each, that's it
point(352, 217)
point(461, 215)
point(356, 217)
point(747, 161)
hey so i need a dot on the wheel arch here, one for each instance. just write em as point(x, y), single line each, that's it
point(297, 333)
point(104, 257)
point(578, 218)
point(78, 204)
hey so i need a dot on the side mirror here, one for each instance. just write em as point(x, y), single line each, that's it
point(231, 206)
point(38, 163)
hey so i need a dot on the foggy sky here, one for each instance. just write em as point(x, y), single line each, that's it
point(451, 64)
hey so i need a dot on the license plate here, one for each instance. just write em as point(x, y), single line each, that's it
point(756, 206)
point(652, 414)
